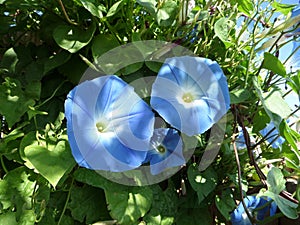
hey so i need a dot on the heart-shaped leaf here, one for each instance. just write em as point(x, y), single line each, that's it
point(51, 164)
point(73, 38)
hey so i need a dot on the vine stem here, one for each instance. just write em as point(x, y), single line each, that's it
point(66, 14)
point(53, 94)
point(240, 120)
point(66, 203)
point(3, 165)
point(240, 181)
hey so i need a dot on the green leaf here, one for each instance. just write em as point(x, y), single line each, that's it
point(73, 69)
point(56, 60)
point(127, 206)
point(8, 218)
point(94, 7)
point(260, 120)
point(51, 164)
point(285, 25)
point(294, 82)
point(276, 107)
point(202, 182)
point(192, 216)
point(130, 69)
point(245, 6)
point(73, 38)
point(9, 60)
point(33, 90)
point(164, 206)
point(13, 101)
point(166, 13)
point(32, 112)
point(16, 190)
point(283, 8)
point(239, 95)
point(288, 208)
point(150, 5)
point(272, 63)
point(87, 204)
point(273, 103)
point(94, 179)
point(225, 203)
point(222, 29)
point(275, 180)
point(290, 136)
point(103, 43)
point(115, 8)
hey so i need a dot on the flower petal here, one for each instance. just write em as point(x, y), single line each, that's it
point(125, 140)
point(203, 80)
point(170, 139)
point(273, 138)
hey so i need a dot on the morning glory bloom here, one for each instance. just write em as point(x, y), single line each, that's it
point(109, 126)
point(239, 216)
point(190, 93)
point(166, 150)
point(240, 140)
point(272, 137)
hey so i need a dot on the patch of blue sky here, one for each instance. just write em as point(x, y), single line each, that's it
point(285, 51)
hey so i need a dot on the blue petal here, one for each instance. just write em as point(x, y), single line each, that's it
point(130, 122)
point(272, 136)
point(130, 117)
point(269, 210)
point(207, 83)
point(173, 156)
point(238, 216)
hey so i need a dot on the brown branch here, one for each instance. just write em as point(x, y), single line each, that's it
point(251, 218)
point(249, 147)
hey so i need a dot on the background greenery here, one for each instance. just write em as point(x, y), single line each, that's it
point(45, 48)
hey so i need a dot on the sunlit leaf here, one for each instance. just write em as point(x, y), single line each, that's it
point(150, 5)
point(51, 164)
point(283, 8)
point(103, 43)
point(274, 64)
point(115, 8)
point(73, 38)
point(245, 6)
point(275, 180)
point(222, 29)
point(202, 182)
point(94, 7)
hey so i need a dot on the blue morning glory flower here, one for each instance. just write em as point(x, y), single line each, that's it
point(239, 216)
point(240, 140)
point(272, 137)
point(166, 150)
point(190, 93)
point(109, 126)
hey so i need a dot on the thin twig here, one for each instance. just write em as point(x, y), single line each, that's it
point(66, 14)
point(249, 147)
point(66, 203)
point(240, 182)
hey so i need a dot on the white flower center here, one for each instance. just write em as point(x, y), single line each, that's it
point(161, 149)
point(187, 97)
point(101, 127)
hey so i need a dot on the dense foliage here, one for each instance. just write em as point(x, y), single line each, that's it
point(45, 48)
